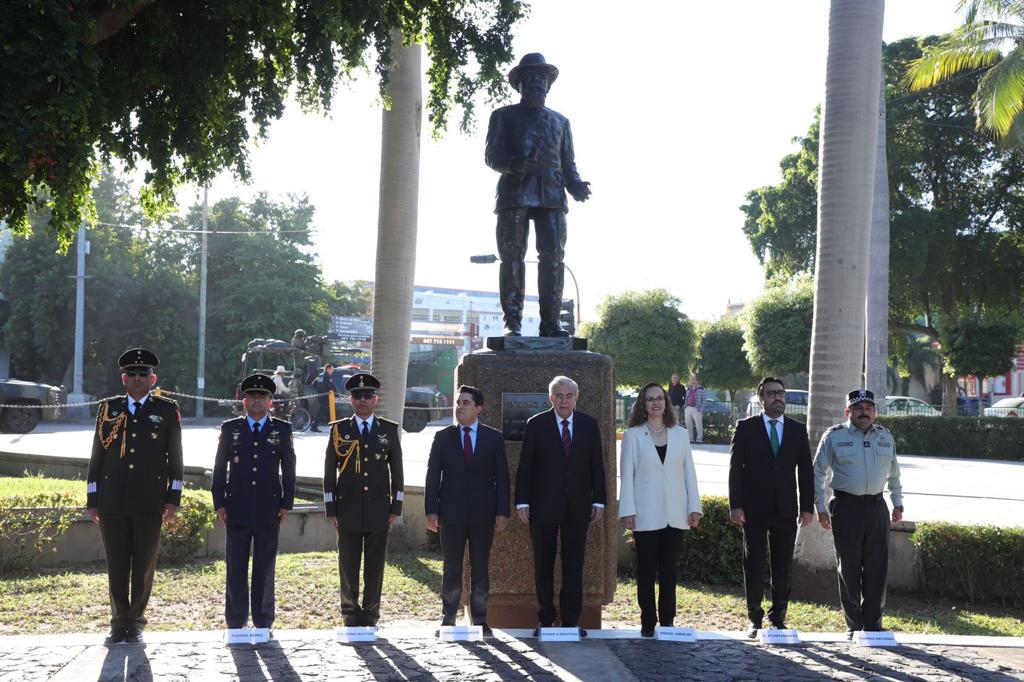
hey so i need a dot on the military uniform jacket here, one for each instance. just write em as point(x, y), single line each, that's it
point(363, 484)
point(516, 131)
point(254, 476)
point(136, 463)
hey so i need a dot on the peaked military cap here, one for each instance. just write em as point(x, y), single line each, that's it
point(363, 381)
point(138, 357)
point(258, 383)
point(859, 396)
point(529, 62)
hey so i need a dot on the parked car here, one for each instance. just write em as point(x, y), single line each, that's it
point(796, 403)
point(29, 403)
point(902, 405)
point(1007, 407)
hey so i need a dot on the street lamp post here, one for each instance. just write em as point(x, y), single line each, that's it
point(488, 258)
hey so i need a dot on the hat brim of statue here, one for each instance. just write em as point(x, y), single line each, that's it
point(517, 71)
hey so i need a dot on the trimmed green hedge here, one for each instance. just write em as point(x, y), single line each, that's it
point(29, 525)
point(969, 437)
point(976, 563)
point(182, 536)
point(714, 552)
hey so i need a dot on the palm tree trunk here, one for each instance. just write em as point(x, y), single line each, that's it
point(876, 346)
point(396, 228)
point(849, 130)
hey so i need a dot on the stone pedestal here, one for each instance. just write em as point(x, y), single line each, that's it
point(513, 601)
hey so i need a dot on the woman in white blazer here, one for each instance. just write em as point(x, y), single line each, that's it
point(658, 500)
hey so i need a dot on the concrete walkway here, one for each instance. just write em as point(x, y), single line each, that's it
point(409, 651)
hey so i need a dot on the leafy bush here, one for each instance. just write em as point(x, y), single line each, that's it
point(182, 536)
point(970, 437)
point(718, 427)
point(714, 552)
point(976, 563)
point(29, 524)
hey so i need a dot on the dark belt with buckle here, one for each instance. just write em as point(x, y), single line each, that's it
point(857, 498)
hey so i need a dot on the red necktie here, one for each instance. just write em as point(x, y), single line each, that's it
point(467, 445)
point(566, 438)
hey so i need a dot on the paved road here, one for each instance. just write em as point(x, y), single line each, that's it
point(935, 489)
point(413, 654)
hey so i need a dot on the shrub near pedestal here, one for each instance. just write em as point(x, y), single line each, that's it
point(182, 536)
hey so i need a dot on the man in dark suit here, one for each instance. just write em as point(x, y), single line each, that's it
point(322, 384)
point(770, 456)
point(560, 489)
point(531, 146)
point(363, 494)
point(466, 499)
point(253, 491)
point(134, 484)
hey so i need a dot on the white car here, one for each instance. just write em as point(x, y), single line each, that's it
point(902, 405)
point(1007, 407)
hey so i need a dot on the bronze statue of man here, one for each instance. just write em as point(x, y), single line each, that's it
point(531, 146)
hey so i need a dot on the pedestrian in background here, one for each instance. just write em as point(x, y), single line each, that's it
point(658, 501)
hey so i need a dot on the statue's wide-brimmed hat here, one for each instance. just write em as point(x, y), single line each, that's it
point(532, 61)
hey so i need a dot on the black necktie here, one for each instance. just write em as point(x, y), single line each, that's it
point(136, 406)
point(365, 435)
point(256, 428)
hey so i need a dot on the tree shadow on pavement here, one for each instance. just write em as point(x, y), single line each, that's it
point(126, 662)
point(514, 661)
point(385, 661)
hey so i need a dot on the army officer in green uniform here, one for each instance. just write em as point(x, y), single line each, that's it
point(861, 458)
point(363, 496)
point(134, 484)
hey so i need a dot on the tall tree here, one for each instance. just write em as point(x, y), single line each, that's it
point(849, 129)
point(396, 228)
point(721, 360)
point(876, 327)
point(349, 299)
point(184, 85)
point(777, 330)
point(645, 333)
point(990, 29)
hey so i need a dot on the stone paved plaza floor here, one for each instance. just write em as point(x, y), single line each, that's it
point(411, 654)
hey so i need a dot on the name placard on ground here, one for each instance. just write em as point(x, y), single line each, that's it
point(559, 634)
point(355, 634)
point(246, 635)
point(771, 636)
point(664, 634)
point(462, 633)
point(862, 638)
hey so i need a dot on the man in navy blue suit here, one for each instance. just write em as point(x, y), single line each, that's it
point(560, 489)
point(253, 491)
point(467, 499)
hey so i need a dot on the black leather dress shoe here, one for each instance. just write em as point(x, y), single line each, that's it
point(647, 632)
point(488, 632)
point(752, 629)
point(513, 332)
point(116, 636)
point(536, 630)
point(583, 633)
point(133, 635)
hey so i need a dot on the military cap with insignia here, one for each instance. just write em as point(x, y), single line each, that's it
point(138, 357)
point(258, 383)
point(363, 381)
point(859, 396)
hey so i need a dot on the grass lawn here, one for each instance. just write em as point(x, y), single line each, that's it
point(37, 485)
point(74, 599)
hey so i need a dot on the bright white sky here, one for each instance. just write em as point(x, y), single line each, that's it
point(677, 108)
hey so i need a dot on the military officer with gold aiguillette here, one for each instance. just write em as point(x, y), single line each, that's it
point(134, 485)
point(363, 496)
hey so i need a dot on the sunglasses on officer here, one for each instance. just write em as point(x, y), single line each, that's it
point(363, 395)
point(137, 372)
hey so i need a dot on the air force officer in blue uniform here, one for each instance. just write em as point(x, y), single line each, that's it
point(253, 491)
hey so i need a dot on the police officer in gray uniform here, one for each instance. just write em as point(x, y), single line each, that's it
point(861, 458)
point(134, 484)
point(363, 493)
point(253, 491)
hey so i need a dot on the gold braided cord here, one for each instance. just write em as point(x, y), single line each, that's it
point(116, 423)
point(344, 457)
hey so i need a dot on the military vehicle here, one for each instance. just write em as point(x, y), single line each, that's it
point(29, 403)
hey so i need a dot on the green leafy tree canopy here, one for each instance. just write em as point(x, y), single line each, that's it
point(721, 359)
point(646, 335)
point(184, 85)
point(778, 328)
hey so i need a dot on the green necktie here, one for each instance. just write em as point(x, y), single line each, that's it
point(775, 437)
